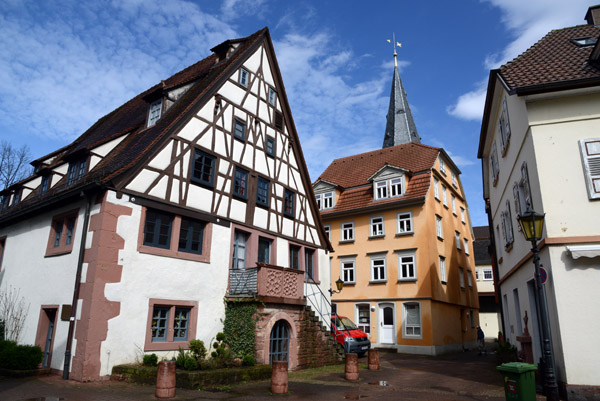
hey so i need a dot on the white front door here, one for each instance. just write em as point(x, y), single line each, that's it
point(386, 324)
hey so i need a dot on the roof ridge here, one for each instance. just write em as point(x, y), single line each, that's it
point(389, 149)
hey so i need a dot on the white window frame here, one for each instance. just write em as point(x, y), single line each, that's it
point(154, 112)
point(444, 195)
point(348, 265)
point(364, 326)
point(376, 229)
point(443, 273)
point(325, 200)
point(485, 271)
point(458, 241)
point(410, 258)
point(272, 96)
point(461, 277)
point(244, 78)
point(442, 165)
point(378, 265)
point(466, 241)
point(327, 228)
point(436, 189)
point(477, 274)
point(453, 202)
point(438, 227)
point(405, 324)
point(381, 190)
point(470, 278)
point(590, 154)
point(462, 215)
point(504, 127)
point(347, 227)
point(454, 181)
point(396, 187)
point(402, 221)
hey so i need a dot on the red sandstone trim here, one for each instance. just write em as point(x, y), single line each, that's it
point(42, 330)
point(293, 349)
point(63, 248)
point(170, 345)
point(252, 245)
point(102, 259)
point(173, 252)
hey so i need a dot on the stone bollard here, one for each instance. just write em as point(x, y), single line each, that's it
point(352, 367)
point(373, 359)
point(279, 378)
point(165, 379)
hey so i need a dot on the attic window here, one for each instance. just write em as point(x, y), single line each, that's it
point(154, 112)
point(272, 96)
point(583, 42)
point(244, 78)
point(76, 171)
point(278, 120)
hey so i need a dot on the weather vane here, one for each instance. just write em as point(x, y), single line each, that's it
point(395, 43)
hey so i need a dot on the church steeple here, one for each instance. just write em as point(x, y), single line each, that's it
point(400, 127)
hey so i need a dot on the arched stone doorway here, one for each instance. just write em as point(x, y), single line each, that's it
point(279, 342)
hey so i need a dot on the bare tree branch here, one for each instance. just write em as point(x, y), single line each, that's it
point(14, 163)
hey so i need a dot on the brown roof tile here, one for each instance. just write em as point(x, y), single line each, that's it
point(555, 58)
point(353, 171)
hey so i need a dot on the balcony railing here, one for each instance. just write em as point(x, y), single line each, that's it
point(267, 282)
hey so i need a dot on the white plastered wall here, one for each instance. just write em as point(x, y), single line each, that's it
point(42, 280)
point(147, 276)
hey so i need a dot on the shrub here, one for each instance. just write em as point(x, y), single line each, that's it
point(19, 357)
point(190, 364)
point(248, 360)
point(506, 353)
point(150, 360)
point(198, 350)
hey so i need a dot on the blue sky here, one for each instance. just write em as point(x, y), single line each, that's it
point(65, 64)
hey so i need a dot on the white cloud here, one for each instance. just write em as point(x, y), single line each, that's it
point(527, 22)
point(62, 68)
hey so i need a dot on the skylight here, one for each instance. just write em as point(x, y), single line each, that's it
point(581, 42)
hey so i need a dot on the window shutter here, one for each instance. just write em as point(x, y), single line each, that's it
point(517, 199)
point(504, 232)
point(505, 120)
point(590, 155)
point(526, 188)
point(509, 231)
point(502, 139)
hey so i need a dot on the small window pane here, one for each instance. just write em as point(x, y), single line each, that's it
point(288, 203)
point(204, 168)
point(160, 319)
point(157, 229)
point(270, 146)
point(180, 324)
point(191, 234)
point(240, 185)
point(239, 130)
point(262, 192)
point(264, 250)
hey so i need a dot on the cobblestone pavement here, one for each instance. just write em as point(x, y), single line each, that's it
point(465, 376)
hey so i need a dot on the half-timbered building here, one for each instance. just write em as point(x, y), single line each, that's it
point(193, 192)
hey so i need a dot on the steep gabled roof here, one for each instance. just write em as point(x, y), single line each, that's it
point(351, 174)
point(130, 118)
point(353, 171)
point(556, 58)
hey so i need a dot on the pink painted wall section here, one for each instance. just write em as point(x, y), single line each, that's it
point(96, 310)
point(275, 281)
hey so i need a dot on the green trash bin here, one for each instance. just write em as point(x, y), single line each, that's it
point(519, 380)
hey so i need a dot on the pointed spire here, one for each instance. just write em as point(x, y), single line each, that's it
point(400, 127)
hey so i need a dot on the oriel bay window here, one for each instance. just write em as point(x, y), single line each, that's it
point(62, 233)
point(171, 324)
point(167, 234)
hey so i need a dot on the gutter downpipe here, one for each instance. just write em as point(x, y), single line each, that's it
point(86, 220)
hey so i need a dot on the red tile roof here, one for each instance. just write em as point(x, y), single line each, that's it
point(555, 58)
point(351, 175)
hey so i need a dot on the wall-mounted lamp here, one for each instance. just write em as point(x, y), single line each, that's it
point(339, 284)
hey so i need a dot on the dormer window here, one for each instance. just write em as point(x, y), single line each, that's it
point(76, 171)
point(391, 188)
point(45, 184)
point(16, 197)
point(4, 202)
point(154, 112)
point(325, 201)
point(244, 75)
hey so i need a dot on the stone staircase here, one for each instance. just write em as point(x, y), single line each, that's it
point(317, 346)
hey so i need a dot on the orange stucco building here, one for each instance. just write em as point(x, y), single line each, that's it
point(398, 220)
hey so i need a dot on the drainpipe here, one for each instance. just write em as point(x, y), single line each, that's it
point(494, 256)
point(86, 220)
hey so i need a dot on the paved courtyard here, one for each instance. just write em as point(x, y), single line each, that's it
point(464, 376)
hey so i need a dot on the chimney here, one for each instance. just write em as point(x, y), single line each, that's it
point(593, 15)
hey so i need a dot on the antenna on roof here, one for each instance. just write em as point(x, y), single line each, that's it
point(395, 44)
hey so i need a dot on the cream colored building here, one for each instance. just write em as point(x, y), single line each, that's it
point(540, 149)
point(489, 305)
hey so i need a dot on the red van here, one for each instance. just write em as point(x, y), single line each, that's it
point(353, 339)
